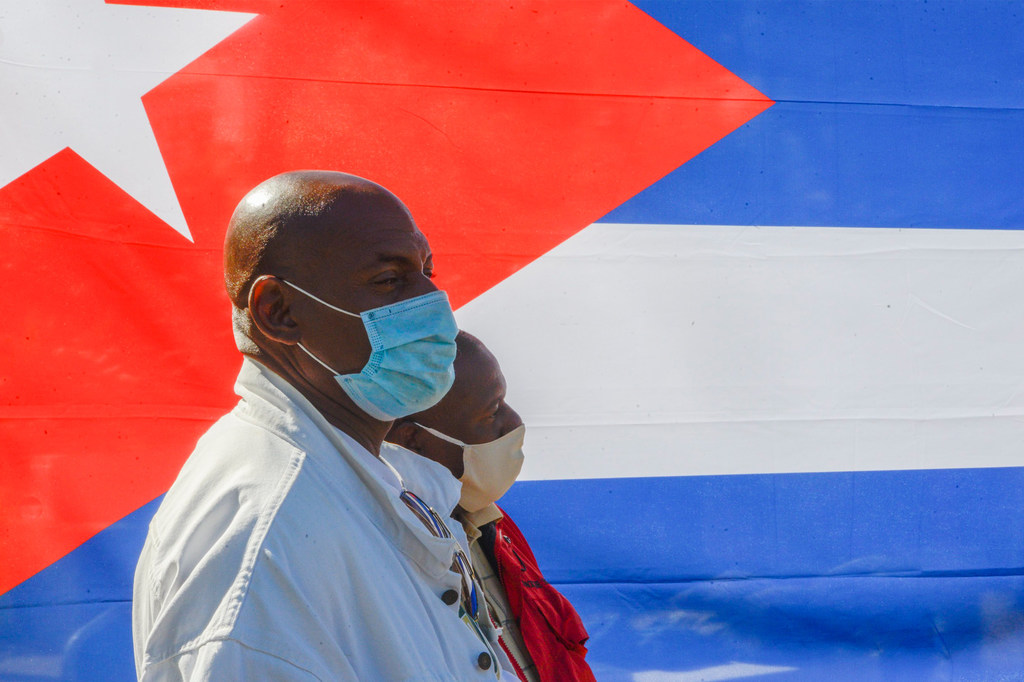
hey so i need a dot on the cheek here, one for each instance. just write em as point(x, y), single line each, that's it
point(345, 345)
point(448, 455)
point(481, 431)
point(357, 347)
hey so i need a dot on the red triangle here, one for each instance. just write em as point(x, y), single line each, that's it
point(505, 127)
point(120, 362)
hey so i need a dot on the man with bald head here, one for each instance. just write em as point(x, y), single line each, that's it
point(295, 544)
point(478, 437)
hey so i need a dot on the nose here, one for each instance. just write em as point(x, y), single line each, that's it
point(512, 421)
point(428, 285)
point(424, 285)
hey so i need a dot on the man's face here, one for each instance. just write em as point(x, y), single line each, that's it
point(474, 410)
point(376, 258)
point(482, 415)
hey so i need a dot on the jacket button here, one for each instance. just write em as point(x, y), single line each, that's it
point(484, 661)
point(450, 597)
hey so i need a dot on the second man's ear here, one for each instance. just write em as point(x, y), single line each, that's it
point(270, 309)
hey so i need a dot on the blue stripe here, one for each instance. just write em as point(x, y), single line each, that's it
point(838, 571)
point(72, 620)
point(950, 522)
point(857, 629)
point(887, 115)
point(965, 53)
point(853, 576)
point(90, 641)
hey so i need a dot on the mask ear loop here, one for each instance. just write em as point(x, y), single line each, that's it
point(312, 296)
point(453, 441)
point(321, 362)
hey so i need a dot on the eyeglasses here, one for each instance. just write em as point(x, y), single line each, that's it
point(461, 564)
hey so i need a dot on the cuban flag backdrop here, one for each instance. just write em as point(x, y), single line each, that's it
point(754, 271)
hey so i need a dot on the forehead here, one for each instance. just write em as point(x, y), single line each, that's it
point(478, 377)
point(370, 234)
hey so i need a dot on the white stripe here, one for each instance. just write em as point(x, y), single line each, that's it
point(730, 671)
point(661, 350)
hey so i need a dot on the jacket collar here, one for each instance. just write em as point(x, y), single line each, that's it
point(276, 405)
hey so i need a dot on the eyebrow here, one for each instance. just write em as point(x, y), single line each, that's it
point(386, 259)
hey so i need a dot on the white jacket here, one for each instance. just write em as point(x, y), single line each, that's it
point(283, 552)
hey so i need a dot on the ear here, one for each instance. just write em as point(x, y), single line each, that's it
point(406, 434)
point(270, 308)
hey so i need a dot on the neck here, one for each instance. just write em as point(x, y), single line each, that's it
point(345, 416)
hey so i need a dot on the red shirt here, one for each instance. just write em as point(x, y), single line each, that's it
point(551, 629)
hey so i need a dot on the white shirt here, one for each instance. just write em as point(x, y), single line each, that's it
point(283, 552)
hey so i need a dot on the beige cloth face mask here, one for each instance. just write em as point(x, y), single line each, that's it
point(489, 469)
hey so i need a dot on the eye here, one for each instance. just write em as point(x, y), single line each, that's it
point(387, 279)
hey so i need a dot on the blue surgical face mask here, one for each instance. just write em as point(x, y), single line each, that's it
point(411, 362)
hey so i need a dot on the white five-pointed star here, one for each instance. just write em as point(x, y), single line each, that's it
point(72, 73)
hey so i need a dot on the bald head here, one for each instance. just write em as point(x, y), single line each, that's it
point(478, 378)
point(286, 224)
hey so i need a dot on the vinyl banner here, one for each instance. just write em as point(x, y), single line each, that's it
point(752, 269)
